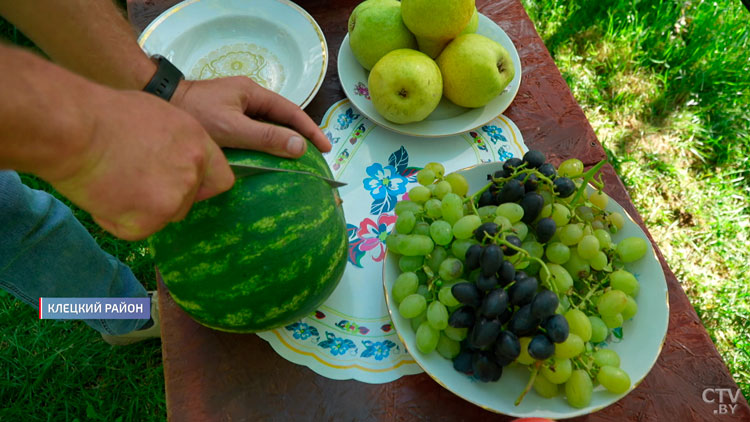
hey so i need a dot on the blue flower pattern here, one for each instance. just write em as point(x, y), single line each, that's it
point(347, 118)
point(337, 345)
point(495, 133)
point(379, 350)
point(302, 331)
point(384, 181)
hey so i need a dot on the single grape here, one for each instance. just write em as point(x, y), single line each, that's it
point(412, 305)
point(405, 222)
point(524, 358)
point(487, 198)
point(571, 234)
point(405, 285)
point(631, 308)
point(570, 348)
point(486, 229)
point(418, 320)
point(419, 194)
point(599, 330)
point(534, 159)
point(578, 389)
point(450, 269)
point(457, 334)
point(544, 304)
point(585, 213)
point(425, 177)
point(503, 223)
point(511, 192)
point(459, 247)
point(613, 379)
point(613, 321)
point(557, 253)
point(545, 388)
point(484, 367)
point(447, 347)
point(579, 324)
point(465, 226)
point(463, 317)
point(506, 273)
point(557, 328)
point(462, 362)
point(433, 208)
point(604, 238)
point(415, 244)
point(548, 170)
point(510, 210)
point(402, 206)
point(437, 315)
point(624, 281)
point(467, 293)
point(564, 187)
point(588, 247)
point(611, 302)
point(410, 263)
point(473, 254)
point(599, 199)
point(522, 323)
point(441, 232)
point(531, 184)
point(570, 168)
point(452, 207)
point(521, 230)
point(422, 227)
point(491, 259)
point(436, 258)
point(632, 249)
point(576, 266)
point(617, 220)
point(507, 345)
point(604, 357)
point(513, 241)
point(532, 204)
point(597, 224)
point(561, 214)
point(458, 182)
point(557, 371)
point(393, 242)
point(545, 229)
point(523, 291)
point(487, 212)
point(511, 164)
point(599, 261)
point(494, 303)
point(427, 338)
point(437, 168)
point(424, 291)
point(485, 332)
point(540, 348)
point(486, 283)
point(441, 189)
point(557, 275)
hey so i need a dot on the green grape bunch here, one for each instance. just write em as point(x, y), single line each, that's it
point(523, 271)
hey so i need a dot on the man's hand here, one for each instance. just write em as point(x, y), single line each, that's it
point(227, 108)
point(146, 163)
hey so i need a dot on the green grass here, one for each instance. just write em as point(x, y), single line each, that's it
point(665, 85)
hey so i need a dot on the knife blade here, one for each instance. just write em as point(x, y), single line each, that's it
point(244, 170)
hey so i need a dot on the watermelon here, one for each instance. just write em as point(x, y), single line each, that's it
point(266, 253)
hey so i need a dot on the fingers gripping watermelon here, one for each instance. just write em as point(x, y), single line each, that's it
point(267, 252)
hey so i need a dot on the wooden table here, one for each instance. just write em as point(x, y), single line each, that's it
point(215, 376)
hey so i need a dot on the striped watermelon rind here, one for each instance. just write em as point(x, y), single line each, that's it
point(267, 252)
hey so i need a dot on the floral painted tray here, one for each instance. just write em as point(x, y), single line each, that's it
point(351, 335)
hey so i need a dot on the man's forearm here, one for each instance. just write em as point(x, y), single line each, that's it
point(90, 38)
point(45, 114)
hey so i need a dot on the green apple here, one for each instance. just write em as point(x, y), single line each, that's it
point(437, 19)
point(475, 70)
point(433, 47)
point(376, 28)
point(405, 86)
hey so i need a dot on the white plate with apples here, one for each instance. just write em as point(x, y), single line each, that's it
point(448, 118)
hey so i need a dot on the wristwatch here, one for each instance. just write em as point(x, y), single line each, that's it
point(164, 82)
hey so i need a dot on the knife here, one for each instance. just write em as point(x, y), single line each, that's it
point(243, 170)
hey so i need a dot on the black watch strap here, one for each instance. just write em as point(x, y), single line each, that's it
point(164, 82)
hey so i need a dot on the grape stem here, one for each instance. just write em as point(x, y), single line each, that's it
point(529, 384)
point(550, 285)
point(588, 177)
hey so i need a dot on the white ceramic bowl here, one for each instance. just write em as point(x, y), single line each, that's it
point(643, 336)
point(447, 119)
point(275, 42)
